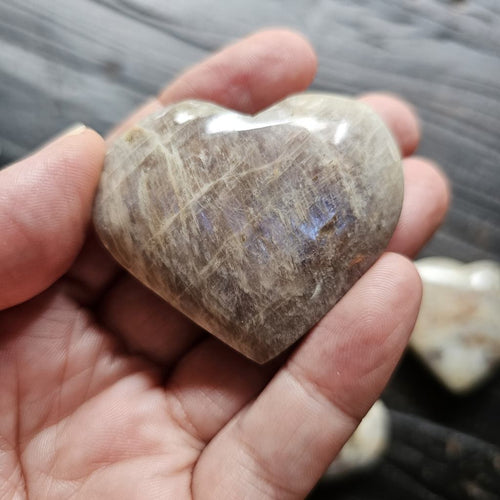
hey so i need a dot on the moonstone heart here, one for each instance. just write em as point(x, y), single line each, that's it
point(252, 226)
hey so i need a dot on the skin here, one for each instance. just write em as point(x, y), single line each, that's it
point(107, 392)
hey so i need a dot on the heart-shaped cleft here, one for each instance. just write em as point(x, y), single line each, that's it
point(252, 226)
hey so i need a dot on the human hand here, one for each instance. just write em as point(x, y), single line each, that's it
point(108, 392)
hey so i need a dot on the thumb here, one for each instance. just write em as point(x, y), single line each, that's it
point(45, 209)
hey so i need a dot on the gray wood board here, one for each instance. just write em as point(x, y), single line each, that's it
point(94, 61)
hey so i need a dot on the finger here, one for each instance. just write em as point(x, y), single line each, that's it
point(285, 60)
point(146, 323)
point(279, 446)
point(45, 203)
point(211, 384)
point(93, 272)
point(425, 203)
point(399, 116)
point(247, 76)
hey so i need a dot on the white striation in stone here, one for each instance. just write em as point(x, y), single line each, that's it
point(457, 334)
point(366, 446)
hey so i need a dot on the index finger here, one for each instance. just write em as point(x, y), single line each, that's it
point(247, 76)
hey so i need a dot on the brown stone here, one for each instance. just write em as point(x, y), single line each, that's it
point(254, 227)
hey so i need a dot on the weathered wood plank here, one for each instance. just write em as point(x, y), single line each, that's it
point(94, 61)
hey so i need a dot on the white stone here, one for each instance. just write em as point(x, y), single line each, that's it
point(457, 334)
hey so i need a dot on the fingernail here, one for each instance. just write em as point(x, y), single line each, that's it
point(75, 129)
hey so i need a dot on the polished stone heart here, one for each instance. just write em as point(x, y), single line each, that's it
point(252, 226)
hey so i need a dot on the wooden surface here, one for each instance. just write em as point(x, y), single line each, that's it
point(94, 61)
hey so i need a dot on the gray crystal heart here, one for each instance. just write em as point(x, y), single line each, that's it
point(252, 226)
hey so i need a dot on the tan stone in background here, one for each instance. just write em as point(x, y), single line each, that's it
point(457, 334)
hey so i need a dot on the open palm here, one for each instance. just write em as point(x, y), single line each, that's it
point(107, 392)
